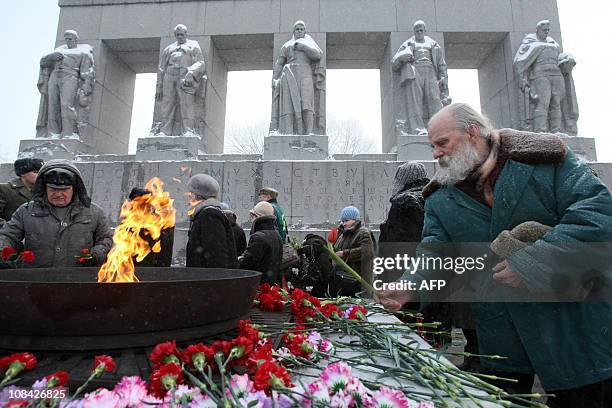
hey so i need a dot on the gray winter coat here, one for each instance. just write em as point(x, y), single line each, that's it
point(35, 228)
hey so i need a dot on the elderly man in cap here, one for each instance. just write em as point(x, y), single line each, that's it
point(211, 241)
point(19, 190)
point(60, 221)
point(491, 181)
point(270, 195)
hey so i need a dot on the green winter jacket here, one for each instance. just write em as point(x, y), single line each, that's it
point(567, 344)
point(281, 223)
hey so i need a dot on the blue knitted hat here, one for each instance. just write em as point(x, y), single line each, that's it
point(350, 213)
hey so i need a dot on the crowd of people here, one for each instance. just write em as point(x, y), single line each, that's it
point(491, 185)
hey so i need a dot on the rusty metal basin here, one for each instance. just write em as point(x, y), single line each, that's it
point(66, 309)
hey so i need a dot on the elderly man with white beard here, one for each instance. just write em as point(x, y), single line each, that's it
point(490, 181)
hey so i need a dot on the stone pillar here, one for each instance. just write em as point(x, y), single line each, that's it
point(110, 112)
point(297, 147)
point(407, 147)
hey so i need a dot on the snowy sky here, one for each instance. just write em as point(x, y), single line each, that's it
point(29, 30)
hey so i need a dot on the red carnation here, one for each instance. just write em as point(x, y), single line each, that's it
point(103, 363)
point(269, 375)
point(16, 363)
point(240, 349)
point(198, 355)
point(164, 353)
point(260, 355)
point(28, 256)
point(165, 378)
point(85, 251)
point(358, 312)
point(330, 311)
point(57, 379)
point(7, 252)
point(221, 346)
point(246, 329)
point(270, 299)
point(304, 307)
point(298, 346)
point(17, 404)
point(82, 260)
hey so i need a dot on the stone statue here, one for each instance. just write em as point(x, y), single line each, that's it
point(423, 79)
point(298, 86)
point(66, 82)
point(181, 86)
point(545, 78)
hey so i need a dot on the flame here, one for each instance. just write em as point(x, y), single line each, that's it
point(146, 215)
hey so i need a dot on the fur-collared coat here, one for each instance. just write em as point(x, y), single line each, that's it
point(567, 344)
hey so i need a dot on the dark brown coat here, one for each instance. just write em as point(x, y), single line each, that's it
point(357, 249)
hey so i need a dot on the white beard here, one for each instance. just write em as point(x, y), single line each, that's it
point(455, 168)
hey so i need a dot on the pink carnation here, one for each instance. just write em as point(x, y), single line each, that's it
point(101, 398)
point(389, 398)
point(131, 391)
point(336, 376)
point(318, 391)
point(241, 385)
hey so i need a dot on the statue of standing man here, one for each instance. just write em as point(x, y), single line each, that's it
point(181, 85)
point(66, 82)
point(298, 86)
point(423, 79)
point(545, 79)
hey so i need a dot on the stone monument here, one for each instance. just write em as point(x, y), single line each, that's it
point(178, 121)
point(423, 78)
point(66, 84)
point(423, 81)
point(298, 100)
point(545, 79)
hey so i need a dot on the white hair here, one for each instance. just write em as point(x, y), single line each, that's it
point(464, 116)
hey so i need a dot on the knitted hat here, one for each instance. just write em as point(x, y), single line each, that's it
point(262, 208)
point(270, 191)
point(350, 213)
point(203, 185)
point(407, 173)
point(23, 166)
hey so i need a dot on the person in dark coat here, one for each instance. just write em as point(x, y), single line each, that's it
point(211, 240)
point(60, 221)
point(163, 258)
point(355, 246)
point(19, 190)
point(239, 234)
point(265, 249)
point(493, 180)
point(404, 222)
point(270, 195)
